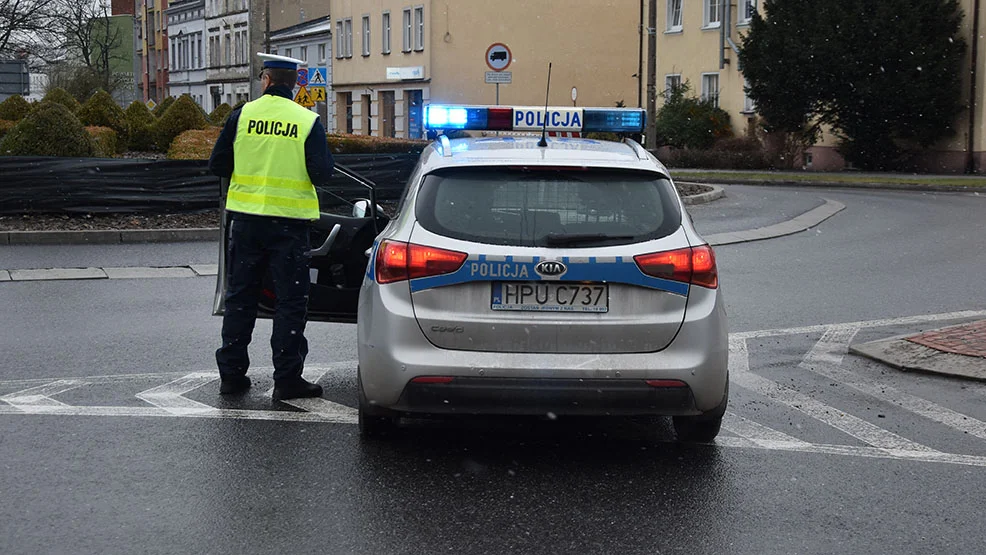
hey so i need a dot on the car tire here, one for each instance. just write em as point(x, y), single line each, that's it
point(374, 422)
point(702, 428)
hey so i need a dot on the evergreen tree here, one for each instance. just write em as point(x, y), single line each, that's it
point(885, 74)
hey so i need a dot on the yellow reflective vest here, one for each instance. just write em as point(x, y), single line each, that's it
point(270, 177)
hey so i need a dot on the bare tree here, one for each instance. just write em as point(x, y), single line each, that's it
point(24, 24)
point(90, 43)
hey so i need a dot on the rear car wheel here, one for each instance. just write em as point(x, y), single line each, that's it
point(374, 422)
point(702, 428)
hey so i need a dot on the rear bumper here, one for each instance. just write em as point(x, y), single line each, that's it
point(393, 351)
point(525, 396)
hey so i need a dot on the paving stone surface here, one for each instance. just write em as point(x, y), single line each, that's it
point(966, 339)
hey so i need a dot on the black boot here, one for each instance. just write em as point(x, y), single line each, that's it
point(296, 389)
point(235, 384)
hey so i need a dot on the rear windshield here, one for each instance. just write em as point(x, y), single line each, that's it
point(548, 208)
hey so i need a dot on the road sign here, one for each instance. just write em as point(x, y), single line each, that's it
point(318, 94)
point(499, 77)
point(303, 77)
point(317, 77)
point(498, 56)
point(304, 98)
point(150, 104)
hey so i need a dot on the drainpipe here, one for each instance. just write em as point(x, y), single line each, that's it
point(640, 58)
point(970, 163)
point(651, 74)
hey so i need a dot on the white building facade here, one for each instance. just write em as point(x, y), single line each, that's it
point(311, 41)
point(187, 50)
point(227, 52)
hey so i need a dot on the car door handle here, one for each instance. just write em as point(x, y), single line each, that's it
point(324, 249)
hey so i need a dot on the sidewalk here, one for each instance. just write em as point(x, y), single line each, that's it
point(956, 351)
point(852, 180)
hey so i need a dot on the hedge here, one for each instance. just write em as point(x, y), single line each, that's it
point(363, 144)
point(102, 111)
point(50, 130)
point(139, 120)
point(5, 127)
point(14, 108)
point(219, 115)
point(182, 115)
point(194, 144)
point(104, 141)
point(61, 96)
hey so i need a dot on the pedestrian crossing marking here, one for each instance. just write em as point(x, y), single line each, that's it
point(824, 358)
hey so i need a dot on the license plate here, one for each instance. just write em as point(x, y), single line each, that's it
point(550, 296)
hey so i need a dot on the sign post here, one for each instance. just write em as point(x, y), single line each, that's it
point(498, 58)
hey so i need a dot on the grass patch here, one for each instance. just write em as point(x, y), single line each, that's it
point(849, 179)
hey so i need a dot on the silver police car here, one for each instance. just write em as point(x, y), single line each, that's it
point(523, 276)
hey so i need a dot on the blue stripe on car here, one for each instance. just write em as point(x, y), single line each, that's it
point(610, 272)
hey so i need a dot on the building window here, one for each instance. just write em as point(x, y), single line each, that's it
point(713, 13)
point(321, 53)
point(304, 54)
point(347, 29)
point(710, 88)
point(339, 49)
point(366, 35)
point(746, 10)
point(671, 82)
point(407, 30)
point(749, 106)
point(226, 50)
point(419, 28)
point(385, 32)
point(674, 15)
point(288, 52)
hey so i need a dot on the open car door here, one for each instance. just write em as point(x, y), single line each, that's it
point(350, 221)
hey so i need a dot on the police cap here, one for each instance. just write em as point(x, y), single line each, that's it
point(280, 62)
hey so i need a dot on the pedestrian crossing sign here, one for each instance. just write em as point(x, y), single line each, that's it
point(304, 97)
point(318, 94)
point(317, 77)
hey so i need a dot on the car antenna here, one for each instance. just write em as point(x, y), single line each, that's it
point(544, 128)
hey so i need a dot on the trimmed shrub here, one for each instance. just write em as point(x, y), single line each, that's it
point(104, 141)
point(139, 121)
point(163, 106)
point(61, 96)
point(219, 115)
point(716, 159)
point(184, 114)
point(689, 122)
point(194, 144)
point(50, 130)
point(14, 108)
point(101, 110)
point(362, 144)
point(5, 127)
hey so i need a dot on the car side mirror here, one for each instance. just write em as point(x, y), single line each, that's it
point(361, 209)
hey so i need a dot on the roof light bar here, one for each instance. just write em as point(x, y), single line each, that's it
point(532, 118)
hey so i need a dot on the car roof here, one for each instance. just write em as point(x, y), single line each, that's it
point(509, 151)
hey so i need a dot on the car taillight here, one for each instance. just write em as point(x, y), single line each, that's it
point(695, 265)
point(398, 261)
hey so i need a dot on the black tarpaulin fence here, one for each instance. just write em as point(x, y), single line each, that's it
point(45, 185)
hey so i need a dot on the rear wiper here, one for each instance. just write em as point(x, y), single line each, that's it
point(556, 239)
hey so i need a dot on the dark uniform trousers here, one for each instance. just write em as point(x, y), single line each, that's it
point(256, 244)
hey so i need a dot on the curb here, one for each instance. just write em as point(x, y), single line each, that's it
point(922, 187)
point(104, 237)
point(797, 224)
point(716, 193)
point(907, 356)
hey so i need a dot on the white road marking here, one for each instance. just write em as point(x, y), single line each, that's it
point(739, 373)
point(169, 396)
point(906, 320)
point(333, 412)
point(858, 451)
point(825, 356)
point(288, 416)
point(38, 399)
point(756, 433)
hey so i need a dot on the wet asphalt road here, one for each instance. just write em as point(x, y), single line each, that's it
point(152, 484)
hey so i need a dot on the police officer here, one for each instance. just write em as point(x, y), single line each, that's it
point(273, 152)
